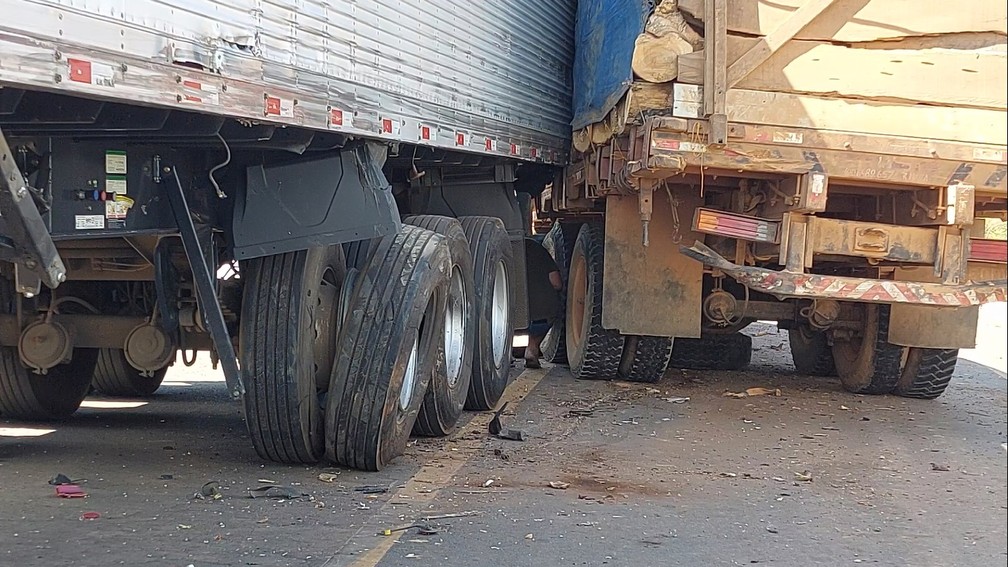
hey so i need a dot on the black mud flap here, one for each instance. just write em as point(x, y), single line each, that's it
point(328, 201)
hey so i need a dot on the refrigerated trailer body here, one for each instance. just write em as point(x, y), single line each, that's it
point(827, 164)
point(181, 175)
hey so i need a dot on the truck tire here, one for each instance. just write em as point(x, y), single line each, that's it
point(592, 351)
point(869, 364)
point(53, 395)
point(492, 257)
point(114, 376)
point(390, 342)
point(289, 326)
point(449, 385)
point(559, 242)
point(712, 352)
point(811, 352)
point(357, 253)
point(926, 372)
point(645, 358)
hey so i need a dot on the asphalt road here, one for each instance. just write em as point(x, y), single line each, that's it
point(814, 476)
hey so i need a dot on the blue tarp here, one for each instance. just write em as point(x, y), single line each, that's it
point(604, 41)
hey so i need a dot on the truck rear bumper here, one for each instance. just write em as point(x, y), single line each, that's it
point(816, 286)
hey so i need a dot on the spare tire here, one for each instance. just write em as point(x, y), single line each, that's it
point(452, 375)
point(388, 346)
point(492, 270)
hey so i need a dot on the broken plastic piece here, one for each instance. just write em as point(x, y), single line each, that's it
point(70, 491)
point(60, 479)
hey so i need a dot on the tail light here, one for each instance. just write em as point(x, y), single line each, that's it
point(733, 225)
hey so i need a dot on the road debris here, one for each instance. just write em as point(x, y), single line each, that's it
point(88, 516)
point(372, 489)
point(274, 491)
point(61, 478)
point(940, 468)
point(558, 485)
point(422, 529)
point(676, 400)
point(804, 476)
point(488, 482)
point(529, 536)
point(210, 490)
point(184, 526)
point(498, 430)
point(753, 392)
point(771, 529)
point(70, 491)
point(328, 476)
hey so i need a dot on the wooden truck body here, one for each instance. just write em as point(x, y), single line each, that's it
point(829, 164)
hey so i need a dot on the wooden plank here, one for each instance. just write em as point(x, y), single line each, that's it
point(768, 45)
point(967, 125)
point(869, 20)
point(913, 75)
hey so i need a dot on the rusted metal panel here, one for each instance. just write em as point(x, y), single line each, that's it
point(873, 240)
point(984, 250)
point(787, 284)
point(651, 290)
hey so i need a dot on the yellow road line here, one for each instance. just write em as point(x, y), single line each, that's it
point(424, 486)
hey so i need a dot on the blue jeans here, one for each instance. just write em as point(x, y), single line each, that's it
point(539, 328)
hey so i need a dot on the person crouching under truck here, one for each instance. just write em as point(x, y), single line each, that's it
point(544, 283)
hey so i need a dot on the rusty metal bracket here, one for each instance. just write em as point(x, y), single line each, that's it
point(865, 290)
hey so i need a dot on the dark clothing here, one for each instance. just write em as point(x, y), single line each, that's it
point(544, 301)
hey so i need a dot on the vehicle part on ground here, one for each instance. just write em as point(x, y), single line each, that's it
point(389, 344)
point(28, 395)
point(289, 327)
point(559, 242)
point(811, 352)
point(115, 376)
point(712, 352)
point(452, 373)
point(645, 358)
point(926, 372)
point(492, 254)
point(865, 361)
point(592, 351)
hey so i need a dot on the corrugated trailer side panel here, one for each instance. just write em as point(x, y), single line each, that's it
point(491, 77)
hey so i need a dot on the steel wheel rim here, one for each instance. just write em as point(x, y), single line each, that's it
point(455, 326)
point(577, 290)
point(410, 376)
point(499, 314)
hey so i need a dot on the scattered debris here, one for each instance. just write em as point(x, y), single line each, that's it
point(166, 477)
point(843, 407)
point(70, 491)
point(274, 491)
point(558, 485)
point(488, 482)
point(587, 524)
point(529, 536)
point(465, 514)
point(753, 392)
point(771, 529)
point(937, 467)
point(805, 476)
point(676, 400)
point(498, 430)
point(210, 490)
point(423, 529)
point(262, 520)
point(830, 428)
point(88, 516)
point(729, 475)
point(328, 476)
point(61, 479)
point(184, 526)
point(267, 481)
point(372, 489)
point(495, 426)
